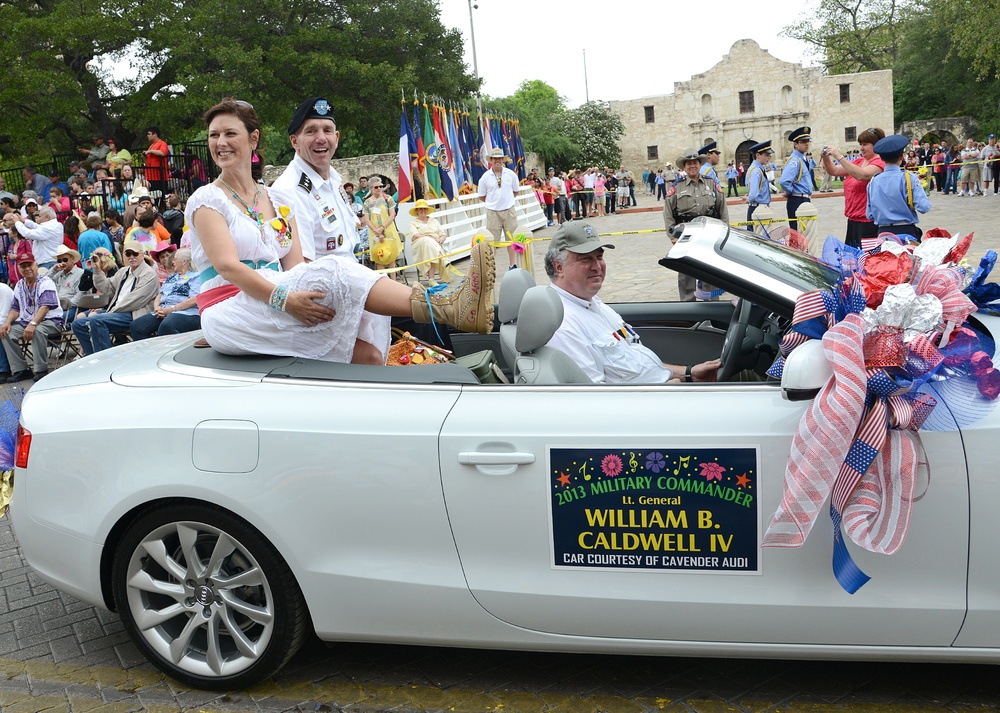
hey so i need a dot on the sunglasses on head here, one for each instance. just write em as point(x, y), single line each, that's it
point(240, 102)
point(131, 253)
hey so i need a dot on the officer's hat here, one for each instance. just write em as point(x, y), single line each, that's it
point(315, 108)
point(708, 148)
point(690, 154)
point(800, 134)
point(891, 147)
point(762, 147)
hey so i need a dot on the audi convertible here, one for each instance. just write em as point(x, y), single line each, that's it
point(228, 507)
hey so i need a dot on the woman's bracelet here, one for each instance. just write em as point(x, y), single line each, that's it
point(279, 296)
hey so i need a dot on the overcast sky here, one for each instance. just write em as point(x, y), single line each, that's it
point(631, 45)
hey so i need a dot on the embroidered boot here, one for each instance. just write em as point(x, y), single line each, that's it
point(469, 305)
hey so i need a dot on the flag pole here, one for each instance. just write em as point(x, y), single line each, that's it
point(475, 63)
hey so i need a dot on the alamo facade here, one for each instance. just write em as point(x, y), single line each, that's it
point(749, 97)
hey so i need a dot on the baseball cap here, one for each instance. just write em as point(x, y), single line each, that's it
point(579, 238)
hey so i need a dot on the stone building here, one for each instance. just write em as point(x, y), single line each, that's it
point(748, 97)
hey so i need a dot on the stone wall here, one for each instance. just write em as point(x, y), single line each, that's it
point(953, 129)
point(785, 96)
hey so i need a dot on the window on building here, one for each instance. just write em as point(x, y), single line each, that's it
point(845, 93)
point(652, 153)
point(851, 133)
point(746, 102)
point(650, 115)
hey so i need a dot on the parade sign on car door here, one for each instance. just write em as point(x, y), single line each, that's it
point(669, 509)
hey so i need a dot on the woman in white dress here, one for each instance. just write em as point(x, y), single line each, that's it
point(427, 242)
point(258, 296)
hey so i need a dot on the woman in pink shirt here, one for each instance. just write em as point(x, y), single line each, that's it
point(857, 174)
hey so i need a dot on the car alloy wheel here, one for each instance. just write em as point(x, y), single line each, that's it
point(206, 597)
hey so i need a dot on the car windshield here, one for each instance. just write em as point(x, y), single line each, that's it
point(771, 258)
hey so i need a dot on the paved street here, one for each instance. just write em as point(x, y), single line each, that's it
point(57, 654)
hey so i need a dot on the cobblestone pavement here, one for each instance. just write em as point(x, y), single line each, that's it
point(57, 654)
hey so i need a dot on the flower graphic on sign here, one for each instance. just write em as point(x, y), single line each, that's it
point(611, 465)
point(712, 471)
point(655, 462)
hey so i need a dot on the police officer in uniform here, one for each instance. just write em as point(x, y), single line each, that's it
point(312, 188)
point(710, 156)
point(758, 189)
point(796, 180)
point(895, 196)
point(693, 196)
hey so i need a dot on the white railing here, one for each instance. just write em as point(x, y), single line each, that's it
point(465, 216)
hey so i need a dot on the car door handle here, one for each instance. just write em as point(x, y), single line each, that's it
point(487, 458)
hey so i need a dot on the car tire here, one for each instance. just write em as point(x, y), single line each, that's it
point(206, 597)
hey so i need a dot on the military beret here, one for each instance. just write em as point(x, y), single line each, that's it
point(315, 108)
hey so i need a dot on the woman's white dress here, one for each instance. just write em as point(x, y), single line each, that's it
point(245, 325)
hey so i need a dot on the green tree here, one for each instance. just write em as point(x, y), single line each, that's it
point(596, 130)
point(854, 35)
point(117, 66)
point(540, 110)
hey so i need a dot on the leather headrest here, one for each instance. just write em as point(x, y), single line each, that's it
point(540, 316)
point(513, 285)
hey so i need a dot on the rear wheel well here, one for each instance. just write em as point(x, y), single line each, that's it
point(115, 535)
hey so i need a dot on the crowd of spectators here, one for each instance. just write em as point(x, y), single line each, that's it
point(581, 193)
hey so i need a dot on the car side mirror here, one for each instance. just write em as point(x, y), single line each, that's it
point(806, 371)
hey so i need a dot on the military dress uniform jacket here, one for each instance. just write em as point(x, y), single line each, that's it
point(692, 198)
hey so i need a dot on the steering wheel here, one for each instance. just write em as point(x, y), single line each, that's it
point(732, 347)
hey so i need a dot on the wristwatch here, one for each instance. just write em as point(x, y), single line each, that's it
point(687, 373)
point(33, 324)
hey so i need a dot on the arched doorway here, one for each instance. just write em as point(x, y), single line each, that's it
point(743, 156)
point(940, 136)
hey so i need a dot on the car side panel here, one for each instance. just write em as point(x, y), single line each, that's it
point(501, 524)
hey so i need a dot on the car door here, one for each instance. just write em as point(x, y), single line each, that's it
point(637, 512)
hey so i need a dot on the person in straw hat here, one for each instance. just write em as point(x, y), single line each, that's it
point(497, 189)
point(427, 242)
point(66, 274)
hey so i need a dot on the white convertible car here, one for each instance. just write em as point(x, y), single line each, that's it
point(225, 507)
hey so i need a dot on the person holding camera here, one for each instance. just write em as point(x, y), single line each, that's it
point(856, 175)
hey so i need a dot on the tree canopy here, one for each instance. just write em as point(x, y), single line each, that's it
point(115, 67)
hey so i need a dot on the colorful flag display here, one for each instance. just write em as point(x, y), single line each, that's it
point(450, 155)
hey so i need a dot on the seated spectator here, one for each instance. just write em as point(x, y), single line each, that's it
point(115, 231)
point(116, 157)
point(426, 242)
point(93, 237)
point(134, 289)
point(59, 203)
point(29, 205)
point(11, 254)
point(66, 275)
point(98, 152)
point(87, 296)
point(45, 234)
point(175, 309)
point(54, 182)
point(144, 231)
point(35, 315)
point(4, 193)
point(163, 259)
point(72, 229)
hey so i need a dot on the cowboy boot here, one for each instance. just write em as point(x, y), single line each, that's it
point(469, 305)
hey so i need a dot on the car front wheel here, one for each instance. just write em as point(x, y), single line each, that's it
point(206, 597)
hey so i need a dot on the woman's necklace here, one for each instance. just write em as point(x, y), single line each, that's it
point(250, 209)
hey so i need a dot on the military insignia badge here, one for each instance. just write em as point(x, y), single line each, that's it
point(305, 182)
point(322, 107)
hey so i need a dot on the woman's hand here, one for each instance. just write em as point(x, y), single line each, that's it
point(303, 306)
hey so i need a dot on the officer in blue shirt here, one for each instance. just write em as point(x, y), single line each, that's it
point(796, 181)
point(758, 188)
point(895, 196)
point(732, 176)
point(709, 160)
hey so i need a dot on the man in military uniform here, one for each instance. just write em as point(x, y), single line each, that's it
point(694, 195)
point(758, 189)
point(312, 188)
point(796, 179)
point(710, 156)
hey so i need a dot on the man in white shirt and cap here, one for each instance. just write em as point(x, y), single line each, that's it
point(313, 189)
point(595, 336)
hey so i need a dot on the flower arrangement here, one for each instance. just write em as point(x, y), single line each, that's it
point(893, 326)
